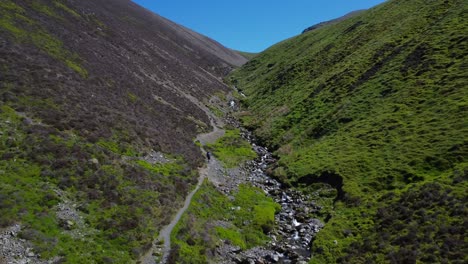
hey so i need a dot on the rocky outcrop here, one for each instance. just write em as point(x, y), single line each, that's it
point(15, 250)
point(296, 225)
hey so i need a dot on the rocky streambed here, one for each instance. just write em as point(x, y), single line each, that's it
point(295, 225)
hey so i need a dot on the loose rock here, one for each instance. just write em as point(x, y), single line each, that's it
point(291, 240)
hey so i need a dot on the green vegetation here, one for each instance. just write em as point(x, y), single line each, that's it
point(232, 149)
point(59, 4)
point(165, 169)
point(123, 203)
point(247, 55)
point(28, 199)
point(15, 20)
point(370, 107)
point(217, 104)
point(117, 147)
point(18, 176)
point(212, 216)
point(435, 234)
point(216, 111)
point(133, 98)
point(45, 9)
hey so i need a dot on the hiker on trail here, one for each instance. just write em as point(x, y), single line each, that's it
point(208, 155)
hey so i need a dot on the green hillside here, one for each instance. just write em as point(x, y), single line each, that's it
point(248, 55)
point(376, 107)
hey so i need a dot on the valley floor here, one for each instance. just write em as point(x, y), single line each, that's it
point(248, 215)
point(162, 246)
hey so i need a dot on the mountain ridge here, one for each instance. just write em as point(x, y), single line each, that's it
point(101, 103)
point(333, 21)
point(373, 107)
point(229, 56)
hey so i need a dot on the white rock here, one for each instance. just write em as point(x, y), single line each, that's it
point(296, 223)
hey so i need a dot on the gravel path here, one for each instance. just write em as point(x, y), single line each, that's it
point(162, 246)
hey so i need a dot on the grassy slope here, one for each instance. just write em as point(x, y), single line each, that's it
point(248, 55)
point(378, 102)
point(213, 216)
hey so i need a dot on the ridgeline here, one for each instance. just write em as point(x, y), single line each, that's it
point(99, 108)
point(374, 106)
point(364, 119)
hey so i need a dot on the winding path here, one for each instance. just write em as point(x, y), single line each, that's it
point(165, 234)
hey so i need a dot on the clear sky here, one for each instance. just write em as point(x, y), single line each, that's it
point(252, 25)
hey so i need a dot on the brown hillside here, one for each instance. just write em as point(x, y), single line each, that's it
point(100, 102)
point(136, 68)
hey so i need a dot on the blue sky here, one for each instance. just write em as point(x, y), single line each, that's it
point(252, 25)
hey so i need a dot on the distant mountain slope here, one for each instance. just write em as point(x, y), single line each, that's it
point(100, 102)
point(374, 106)
point(248, 55)
point(201, 42)
point(333, 21)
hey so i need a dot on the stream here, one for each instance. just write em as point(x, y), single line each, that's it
point(295, 225)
